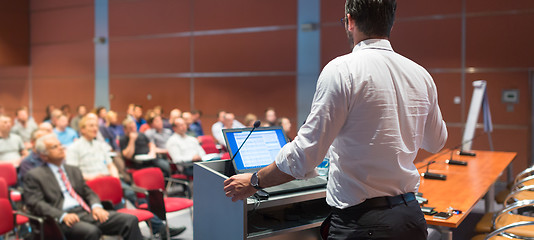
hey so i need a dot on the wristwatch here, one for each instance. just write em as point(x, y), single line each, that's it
point(255, 181)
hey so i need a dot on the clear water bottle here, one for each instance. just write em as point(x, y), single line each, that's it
point(322, 169)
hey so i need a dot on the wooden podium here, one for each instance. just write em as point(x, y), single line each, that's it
point(215, 216)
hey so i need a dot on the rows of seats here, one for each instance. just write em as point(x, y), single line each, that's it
point(516, 219)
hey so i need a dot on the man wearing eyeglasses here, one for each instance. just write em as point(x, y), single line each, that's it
point(374, 109)
point(59, 190)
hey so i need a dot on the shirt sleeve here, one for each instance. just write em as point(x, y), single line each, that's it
point(436, 133)
point(20, 143)
point(328, 115)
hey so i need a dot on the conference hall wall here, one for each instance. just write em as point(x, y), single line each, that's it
point(241, 56)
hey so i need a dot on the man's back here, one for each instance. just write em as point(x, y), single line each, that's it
point(376, 106)
point(385, 124)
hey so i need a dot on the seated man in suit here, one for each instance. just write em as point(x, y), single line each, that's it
point(59, 191)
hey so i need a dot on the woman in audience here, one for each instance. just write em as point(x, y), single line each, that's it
point(101, 113)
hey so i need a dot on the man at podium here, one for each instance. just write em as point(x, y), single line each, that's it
point(375, 108)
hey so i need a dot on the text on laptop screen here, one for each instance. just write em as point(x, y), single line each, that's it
point(260, 149)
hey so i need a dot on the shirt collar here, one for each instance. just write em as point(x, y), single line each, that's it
point(55, 168)
point(383, 44)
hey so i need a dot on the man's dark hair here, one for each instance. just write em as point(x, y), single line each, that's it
point(372, 17)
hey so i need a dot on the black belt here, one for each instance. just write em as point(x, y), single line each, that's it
point(382, 202)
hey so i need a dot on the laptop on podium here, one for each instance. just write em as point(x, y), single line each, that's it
point(260, 150)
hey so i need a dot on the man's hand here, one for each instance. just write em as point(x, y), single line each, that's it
point(133, 136)
point(70, 219)
point(100, 214)
point(197, 158)
point(238, 187)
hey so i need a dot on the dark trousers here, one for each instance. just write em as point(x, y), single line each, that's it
point(402, 221)
point(121, 224)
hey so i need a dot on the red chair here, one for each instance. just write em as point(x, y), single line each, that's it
point(152, 183)
point(9, 173)
point(18, 218)
point(5, 212)
point(225, 156)
point(208, 144)
point(109, 188)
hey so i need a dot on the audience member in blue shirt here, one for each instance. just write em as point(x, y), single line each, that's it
point(196, 126)
point(65, 134)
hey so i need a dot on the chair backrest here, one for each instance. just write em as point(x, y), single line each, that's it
point(7, 223)
point(9, 173)
point(149, 178)
point(208, 144)
point(4, 191)
point(108, 188)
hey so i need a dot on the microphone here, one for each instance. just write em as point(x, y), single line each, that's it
point(256, 125)
point(430, 175)
point(450, 161)
point(462, 153)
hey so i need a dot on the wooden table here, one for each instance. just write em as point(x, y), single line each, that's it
point(465, 185)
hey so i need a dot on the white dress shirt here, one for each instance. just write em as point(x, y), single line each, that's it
point(92, 157)
point(375, 108)
point(182, 149)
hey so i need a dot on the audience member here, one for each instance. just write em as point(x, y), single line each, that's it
point(188, 118)
point(24, 126)
point(99, 136)
point(130, 111)
point(196, 126)
point(93, 156)
point(134, 144)
point(150, 114)
point(227, 122)
point(65, 109)
point(48, 112)
point(12, 148)
point(111, 131)
point(56, 113)
point(81, 110)
point(46, 126)
point(184, 149)
point(270, 117)
point(286, 126)
point(138, 116)
point(114, 124)
point(101, 114)
point(216, 128)
point(33, 160)
point(159, 111)
point(65, 134)
point(59, 190)
point(175, 113)
point(250, 119)
point(158, 135)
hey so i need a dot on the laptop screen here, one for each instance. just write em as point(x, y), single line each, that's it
point(258, 151)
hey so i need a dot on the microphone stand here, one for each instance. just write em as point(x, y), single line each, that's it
point(256, 124)
point(429, 175)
